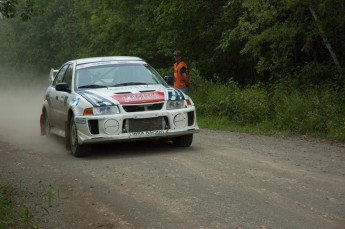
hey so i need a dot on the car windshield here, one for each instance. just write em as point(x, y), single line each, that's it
point(116, 75)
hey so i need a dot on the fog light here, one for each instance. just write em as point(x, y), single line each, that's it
point(180, 120)
point(111, 126)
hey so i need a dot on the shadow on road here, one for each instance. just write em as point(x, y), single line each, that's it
point(129, 149)
point(134, 149)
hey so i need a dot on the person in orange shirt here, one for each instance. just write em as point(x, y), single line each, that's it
point(182, 80)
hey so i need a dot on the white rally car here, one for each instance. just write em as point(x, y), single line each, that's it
point(110, 99)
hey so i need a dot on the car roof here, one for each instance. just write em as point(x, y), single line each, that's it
point(109, 58)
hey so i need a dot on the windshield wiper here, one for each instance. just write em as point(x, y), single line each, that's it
point(92, 86)
point(129, 83)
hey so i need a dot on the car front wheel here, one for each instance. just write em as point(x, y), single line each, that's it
point(76, 149)
point(183, 141)
point(47, 126)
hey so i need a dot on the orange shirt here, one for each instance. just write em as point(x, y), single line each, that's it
point(180, 82)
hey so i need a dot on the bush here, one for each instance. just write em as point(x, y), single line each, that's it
point(251, 105)
point(288, 106)
point(6, 206)
point(308, 110)
point(248, 106)
point(213, 99)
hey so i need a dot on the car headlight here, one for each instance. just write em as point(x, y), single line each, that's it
point(175, 104)
point(106, 110)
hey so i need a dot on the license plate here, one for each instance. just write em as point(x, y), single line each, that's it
point(148, 133)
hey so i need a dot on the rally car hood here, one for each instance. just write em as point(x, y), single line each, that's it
point(131, 95)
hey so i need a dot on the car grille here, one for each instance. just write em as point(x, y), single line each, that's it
point(143, 107)
point(146, 124)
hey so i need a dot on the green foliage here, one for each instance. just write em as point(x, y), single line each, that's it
point(313, 74)
point(283, 36)
point(286, 107)
point(6, 206)
point(246, 106)
point(213, 99)
point(21, 208)
point(251, 105)
point(12, 8)
point(27, 216)
point(308, 110)
point(246, 41)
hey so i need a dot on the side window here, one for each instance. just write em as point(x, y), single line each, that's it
point(59, 75)
point(68, 76)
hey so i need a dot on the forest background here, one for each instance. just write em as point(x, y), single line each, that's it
point(260, 66)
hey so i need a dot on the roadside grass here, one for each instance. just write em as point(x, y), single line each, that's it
point(20, 208)
point(223, 123)
point(7, 206)
point(284, 109)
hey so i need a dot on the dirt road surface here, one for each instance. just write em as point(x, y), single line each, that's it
point(225, 180)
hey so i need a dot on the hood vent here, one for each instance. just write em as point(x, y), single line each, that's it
point(147, 91)
point(125, 92)
point(128, 92)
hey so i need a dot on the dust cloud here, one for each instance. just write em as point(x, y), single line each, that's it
point(21, 99)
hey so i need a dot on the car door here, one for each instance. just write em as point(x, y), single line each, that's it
point(54, 96)
point(62, 106)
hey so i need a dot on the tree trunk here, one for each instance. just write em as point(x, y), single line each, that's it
point(324, 38)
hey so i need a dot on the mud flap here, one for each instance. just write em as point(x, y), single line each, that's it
point(42, 125)
point(67, 136)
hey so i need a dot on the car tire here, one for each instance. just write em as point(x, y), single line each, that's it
point(183, 141)
point(77, 150)
point(47, 126)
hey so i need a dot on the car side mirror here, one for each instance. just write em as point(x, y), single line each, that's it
point(169, 80)
point(62, 87)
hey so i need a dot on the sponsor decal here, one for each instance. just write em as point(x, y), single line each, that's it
point(80, 120)
point(81, 66)
point(148, 133)
point(65, 101)
point(104, 61)
point(48, 98)
point(75, 102)
point(145, 97)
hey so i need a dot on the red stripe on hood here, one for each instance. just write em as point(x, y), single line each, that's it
point(145, 97)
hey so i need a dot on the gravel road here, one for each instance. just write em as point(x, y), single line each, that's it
point(225, 180)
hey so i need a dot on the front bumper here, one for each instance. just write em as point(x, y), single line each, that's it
point(136, 126)
point(136, 136)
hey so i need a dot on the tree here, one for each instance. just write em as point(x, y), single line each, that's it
point(193, 26)
point(248, 41)
point(283, 36)
point(11, 8)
